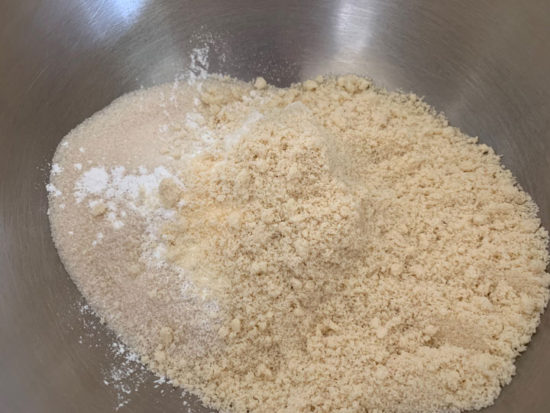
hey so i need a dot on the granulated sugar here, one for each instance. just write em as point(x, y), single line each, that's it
point(329, 247)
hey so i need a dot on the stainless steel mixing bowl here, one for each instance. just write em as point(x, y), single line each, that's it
point(486, 64)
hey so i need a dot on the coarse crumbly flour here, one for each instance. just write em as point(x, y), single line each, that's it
point(329, 247)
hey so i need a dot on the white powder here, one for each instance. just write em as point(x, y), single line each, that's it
point(198, 69)
point(94, 181)
point(115, 189)
point(56, 169)
point(53, 190)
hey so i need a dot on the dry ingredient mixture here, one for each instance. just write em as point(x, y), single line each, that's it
point(329, 247)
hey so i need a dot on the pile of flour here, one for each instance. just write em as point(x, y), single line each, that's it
point(326, 247)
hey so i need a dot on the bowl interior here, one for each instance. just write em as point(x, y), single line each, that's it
point(485, 65)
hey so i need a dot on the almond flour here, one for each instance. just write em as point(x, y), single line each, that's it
point(329, 247)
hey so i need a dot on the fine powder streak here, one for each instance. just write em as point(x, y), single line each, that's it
point(326, 247)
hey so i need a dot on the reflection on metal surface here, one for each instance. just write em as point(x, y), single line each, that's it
point(126, 9)
point(352, 30)
point(485, 64)
point(105, 17)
